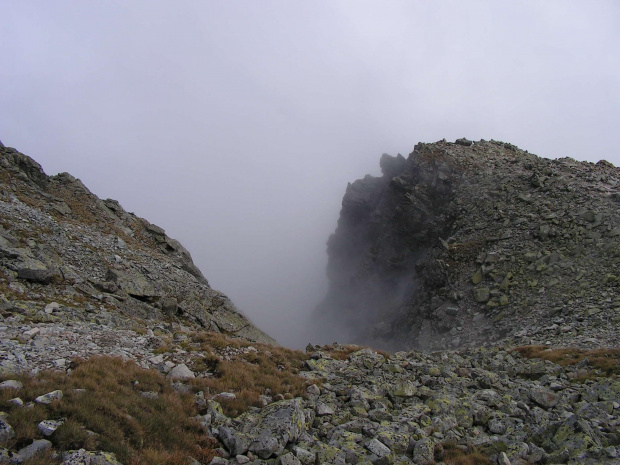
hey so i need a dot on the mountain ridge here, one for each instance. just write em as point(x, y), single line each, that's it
point(61, 240)
point(453, 243)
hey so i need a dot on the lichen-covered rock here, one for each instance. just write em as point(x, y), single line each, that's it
point(279, 423)
point(49, 397)
point(83, 457)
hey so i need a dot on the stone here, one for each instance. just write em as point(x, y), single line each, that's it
point(48, 427)
point(225, 396)
point(36, 271)
point(236, 443)
point(16, 401)
point(323, 409)
point(313, 390)
point(464, 142)
point(49, 397)
point(404, 388)
point(181, 372)
point(11, 384)
point(83, 457)
point(304, 456)
point(38, 446)
point(424, 451)
point(219, 461)
point(288, 459)
point(544, 398)
point(6, 432)
point(482, 294)
point(503, 459)
point(52, 307)
point(497, 426)
point(279, 423)
point(378, 448)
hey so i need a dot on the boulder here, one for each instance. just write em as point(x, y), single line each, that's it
point(38, 446)
point(279, 423)
point(6, 432)
point(36, 271)
point(49, 397)
point(181, 372)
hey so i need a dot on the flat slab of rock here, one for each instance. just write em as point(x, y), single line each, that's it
point(49, 397)
point(83, 457)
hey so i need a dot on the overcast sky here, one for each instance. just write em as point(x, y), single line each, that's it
point(236, 125)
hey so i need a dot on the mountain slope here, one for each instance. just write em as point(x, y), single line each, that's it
point(468, 243)
point(61, 243)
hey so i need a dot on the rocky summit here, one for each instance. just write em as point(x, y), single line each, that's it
point(488, 273)
point(473, 243)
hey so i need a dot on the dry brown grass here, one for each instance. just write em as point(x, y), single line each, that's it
point(451, 454)
point(341, 352)
point(138, 430)
point(248, 374)
point(606, 361)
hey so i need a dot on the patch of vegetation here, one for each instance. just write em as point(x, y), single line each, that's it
point(342, 352)
point(605, 362)
point(105, 410)
point(450, 453)
point(247, 370)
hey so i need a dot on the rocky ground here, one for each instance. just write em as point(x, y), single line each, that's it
point(404, 408)
point(82, 277)
point(371, 407)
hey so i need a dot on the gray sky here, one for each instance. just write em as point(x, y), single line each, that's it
point(236, 125)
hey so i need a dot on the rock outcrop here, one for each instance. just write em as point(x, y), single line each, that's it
point(65, 254)
point(465, 243)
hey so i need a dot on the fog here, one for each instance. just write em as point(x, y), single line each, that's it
point(236, 126)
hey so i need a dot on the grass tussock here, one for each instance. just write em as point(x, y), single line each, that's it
point(340, 352)
point(105, 410)
point(450, 453)
point(247, 370)
point(605, 361)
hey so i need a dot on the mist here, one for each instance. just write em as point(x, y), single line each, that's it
point(236, 126)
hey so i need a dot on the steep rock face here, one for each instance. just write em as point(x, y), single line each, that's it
point(61, 243)
point(468, 243)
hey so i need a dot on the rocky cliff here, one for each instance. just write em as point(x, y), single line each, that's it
point(65, 254)
point(468, 243)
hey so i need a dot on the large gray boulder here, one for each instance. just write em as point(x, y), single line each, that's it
point(267, 433)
